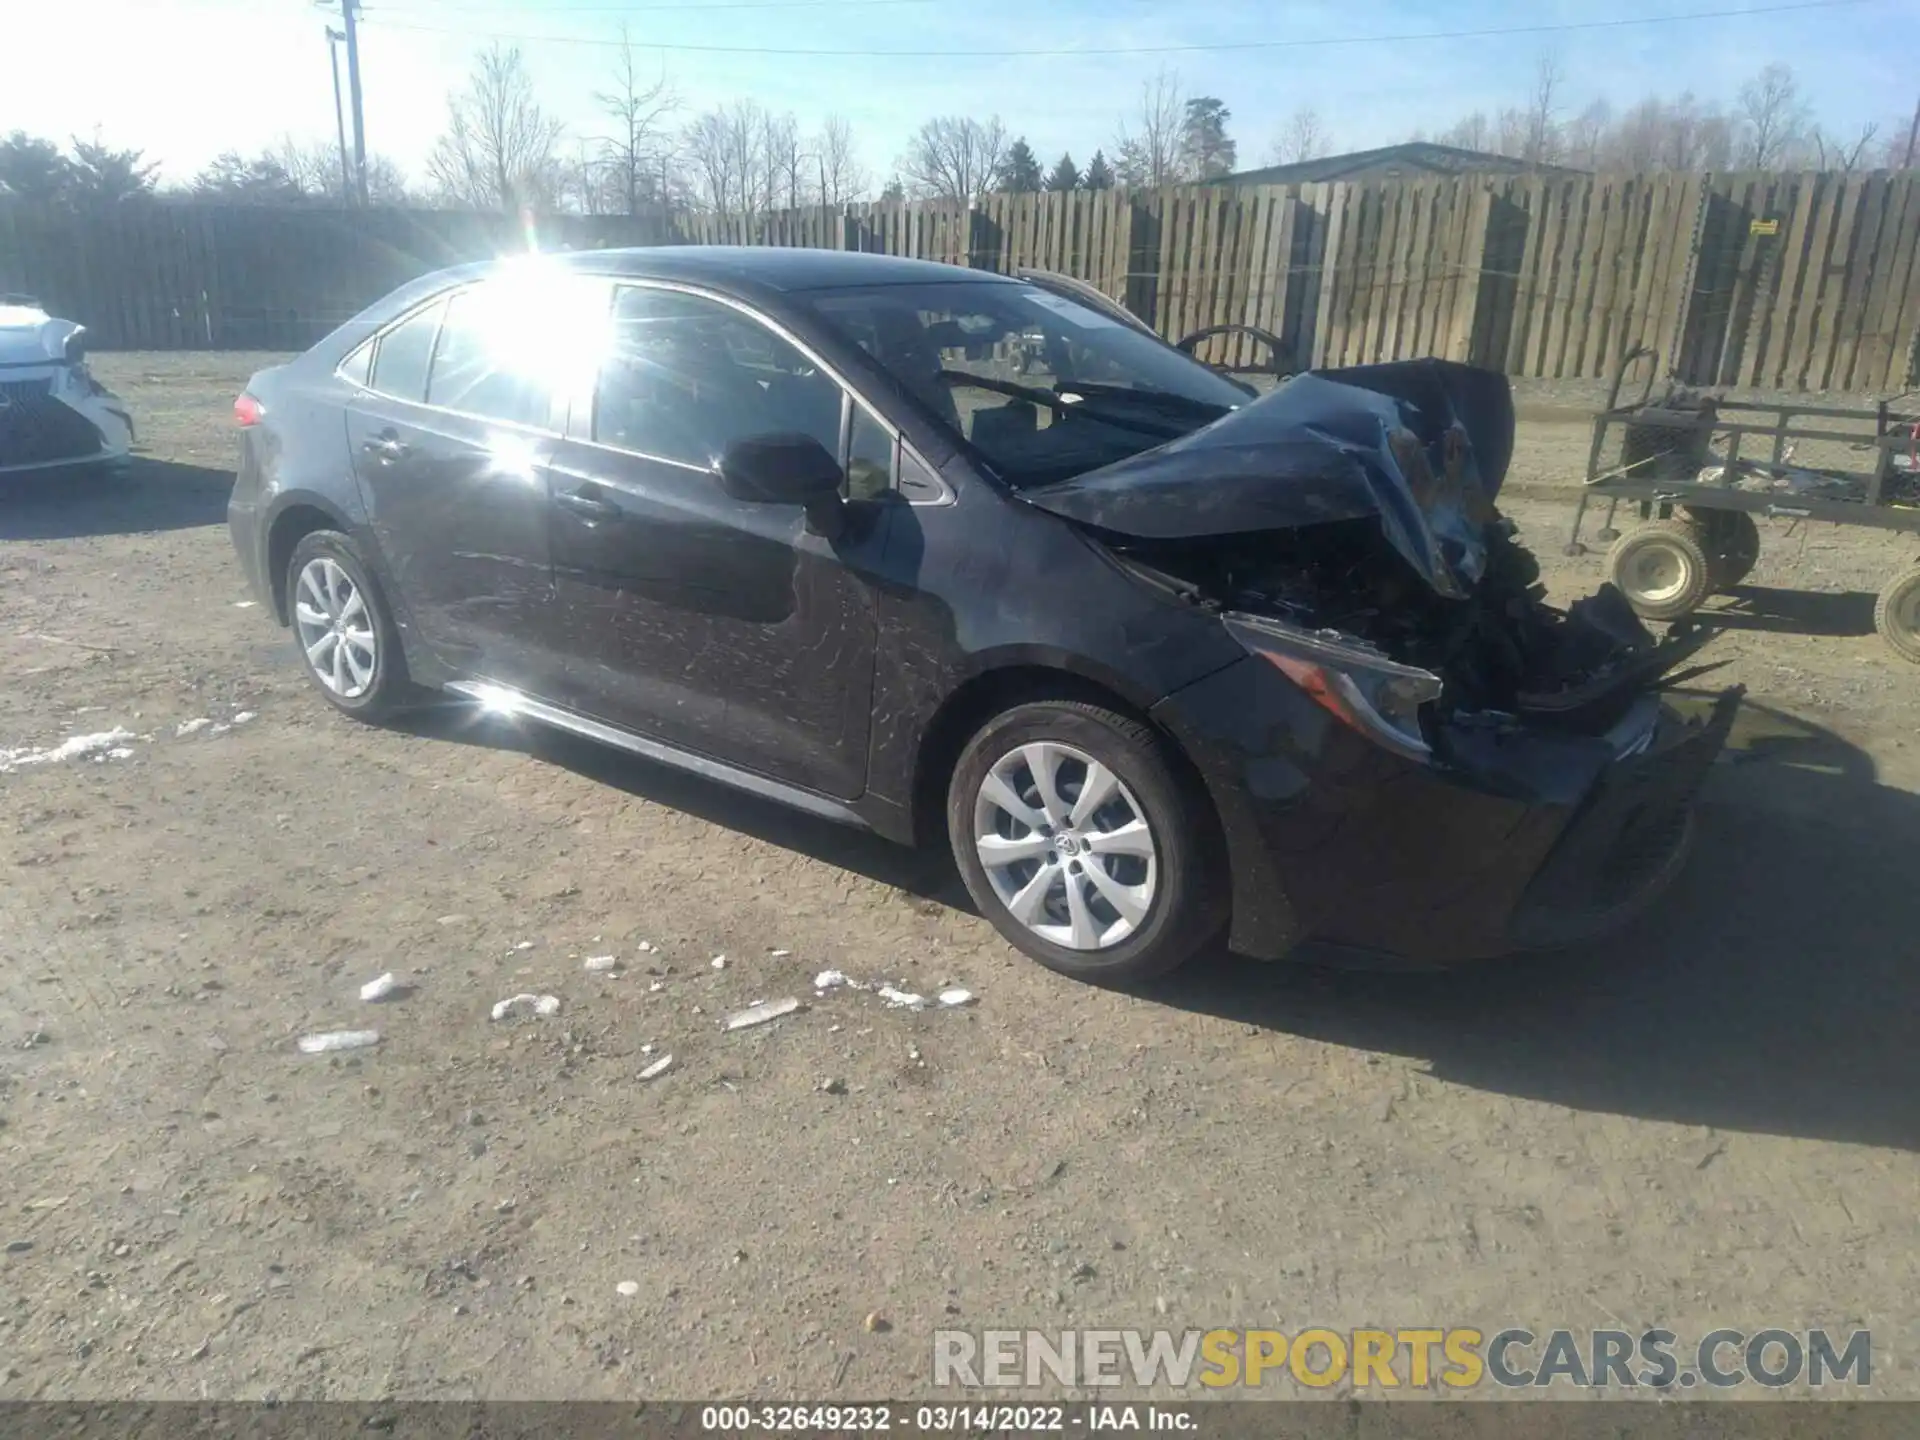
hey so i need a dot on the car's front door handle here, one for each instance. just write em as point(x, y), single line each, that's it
point(387, 447)
point(586, 505)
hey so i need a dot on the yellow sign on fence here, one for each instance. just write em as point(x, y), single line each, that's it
point(1763, 227)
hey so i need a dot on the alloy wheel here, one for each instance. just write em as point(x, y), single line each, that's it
point(1066, 846)
point(336, 628)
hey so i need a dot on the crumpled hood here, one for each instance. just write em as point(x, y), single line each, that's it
point(29, 336)
point(1423, 444)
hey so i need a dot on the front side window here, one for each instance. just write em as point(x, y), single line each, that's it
point(492, 361)
point(687, 376)
point(400, 360)
point(1038, 385)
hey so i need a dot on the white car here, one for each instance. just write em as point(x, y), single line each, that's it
point(53, 413)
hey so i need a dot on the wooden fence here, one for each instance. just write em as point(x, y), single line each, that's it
point(1788, 281)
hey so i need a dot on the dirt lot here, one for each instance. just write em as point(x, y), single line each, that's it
point(1709, 1121)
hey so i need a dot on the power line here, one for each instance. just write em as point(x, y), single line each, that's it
point(651, 6)
point(1294, 44)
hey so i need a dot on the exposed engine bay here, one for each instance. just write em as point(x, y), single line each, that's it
point(1500, 650)
point(1357, 508)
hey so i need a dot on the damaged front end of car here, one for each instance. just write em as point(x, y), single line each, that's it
point(53, 411)
point(1343, 529)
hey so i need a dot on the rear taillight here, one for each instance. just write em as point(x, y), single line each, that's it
point(248, 411)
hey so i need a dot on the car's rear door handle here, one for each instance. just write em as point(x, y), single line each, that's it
point(588, 506)
point(387, 447)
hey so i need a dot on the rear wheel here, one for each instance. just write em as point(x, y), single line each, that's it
point(345, 634)
point(1081, 844)
point(1662, 569)
point(1897, 614)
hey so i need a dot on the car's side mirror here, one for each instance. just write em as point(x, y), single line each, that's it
point(787, 470)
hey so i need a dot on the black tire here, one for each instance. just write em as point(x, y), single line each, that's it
point(389, 690)
point(1731, 540)
point(1187, 907)
point(1662, 569)
point(1896, 614)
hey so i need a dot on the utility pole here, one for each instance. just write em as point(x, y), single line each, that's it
point(1913, 135)
point(348, 12)
point(334, 37)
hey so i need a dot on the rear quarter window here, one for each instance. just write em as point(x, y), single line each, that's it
point(358, 367)
point(401, 358)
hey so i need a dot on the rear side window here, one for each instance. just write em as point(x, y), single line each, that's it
point(400, 362)
point(492, 361)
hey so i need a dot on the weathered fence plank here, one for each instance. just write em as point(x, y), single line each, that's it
point(1779, 280)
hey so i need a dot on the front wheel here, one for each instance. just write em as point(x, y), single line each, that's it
point(1081, 844)
point(1662, 569)
point(346, 636)
point(1897, 614)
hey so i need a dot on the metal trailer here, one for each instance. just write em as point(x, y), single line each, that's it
point(1681, 463)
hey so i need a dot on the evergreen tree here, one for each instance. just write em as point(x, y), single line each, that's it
point(1020, 172)
point(1206, 150)
point(1065, 176)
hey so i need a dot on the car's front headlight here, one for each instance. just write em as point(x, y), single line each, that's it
point(1363, 689)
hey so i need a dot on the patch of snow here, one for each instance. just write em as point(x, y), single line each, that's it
point(338, 1040)
point(762, 1013)
point(542, 1005)
point(190, 727)
point(100, 744)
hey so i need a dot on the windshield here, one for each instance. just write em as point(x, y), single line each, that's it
point(1040, 386)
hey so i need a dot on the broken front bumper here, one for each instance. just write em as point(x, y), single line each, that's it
point(1516, 840)
point(55, 416)
point(1628, 839)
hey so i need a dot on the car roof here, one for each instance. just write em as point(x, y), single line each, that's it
point(773, 267)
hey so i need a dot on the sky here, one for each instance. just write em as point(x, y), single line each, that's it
point(186, 79)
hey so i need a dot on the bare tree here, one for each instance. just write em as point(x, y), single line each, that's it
point(636, 153)
point(312, 169)
point(717, 185)
point(499, 151)
point(743, 161)
point(1773, 118)
point(727, 149)
point(1149, 146)
point(953, 157)
point(1586, 135)
point(1833, 153)
point(1303, 137)
point(1540, 142)
point(1510, 133)
point(842, 180)
point(1468, 133)
point(789, 165)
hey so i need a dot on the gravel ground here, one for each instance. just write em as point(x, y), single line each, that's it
point(1709, 1120)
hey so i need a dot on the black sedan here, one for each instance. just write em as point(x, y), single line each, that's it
point(939, 552)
